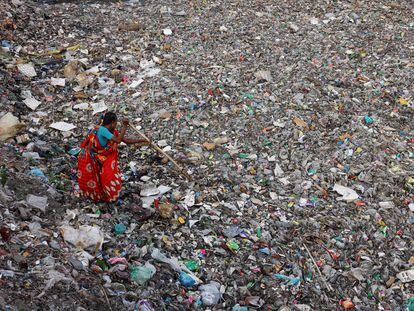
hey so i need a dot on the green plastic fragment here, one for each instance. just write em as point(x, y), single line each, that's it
point(259, 232)
point(233, 245)
point(192, 265)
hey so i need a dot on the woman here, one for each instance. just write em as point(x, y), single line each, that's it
point(99, 177)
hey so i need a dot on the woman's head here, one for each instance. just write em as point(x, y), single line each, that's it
point(109, 120)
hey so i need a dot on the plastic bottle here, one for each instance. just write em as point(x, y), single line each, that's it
point(75, 151)
point(186, 279)
point(259, 232)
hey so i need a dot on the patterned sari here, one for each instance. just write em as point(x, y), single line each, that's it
point(99, 177)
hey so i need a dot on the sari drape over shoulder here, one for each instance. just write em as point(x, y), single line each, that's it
point(98, 172)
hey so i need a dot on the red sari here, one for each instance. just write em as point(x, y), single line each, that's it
point(99, 177)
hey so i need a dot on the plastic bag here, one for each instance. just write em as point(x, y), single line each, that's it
point(174, 264)
point(37, 172)
point(291, 280)
point(348, 194)
point(84, 237)
point(141, 274)
point(37, 202)
point(53, 278)
point(210, 293)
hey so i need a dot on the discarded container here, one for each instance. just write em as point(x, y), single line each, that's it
point(186, 280)
point(368, 120)
point(291, 280)
point(347, 304)
point(233, 245)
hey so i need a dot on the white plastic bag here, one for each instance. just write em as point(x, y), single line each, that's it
point(210, 293)
point(174, 264)
point(348, 194)
point(84, 237)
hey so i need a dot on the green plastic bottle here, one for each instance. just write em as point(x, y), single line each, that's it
point(259, 232)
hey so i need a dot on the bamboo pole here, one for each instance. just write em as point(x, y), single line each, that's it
point(158, 149)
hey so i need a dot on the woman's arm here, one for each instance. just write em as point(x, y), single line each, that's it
point(120, 138)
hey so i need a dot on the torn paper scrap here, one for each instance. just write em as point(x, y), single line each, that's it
point(62, 126)
point(27, 70)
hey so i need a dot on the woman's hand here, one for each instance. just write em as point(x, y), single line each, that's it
point(125, 123)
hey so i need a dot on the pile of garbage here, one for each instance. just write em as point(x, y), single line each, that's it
point(293, 120)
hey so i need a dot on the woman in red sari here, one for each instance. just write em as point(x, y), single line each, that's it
point(99, 177)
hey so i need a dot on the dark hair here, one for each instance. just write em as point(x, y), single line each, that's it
point(109, 118)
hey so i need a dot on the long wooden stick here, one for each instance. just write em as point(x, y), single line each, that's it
point(328, 286)
point(158, 149)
